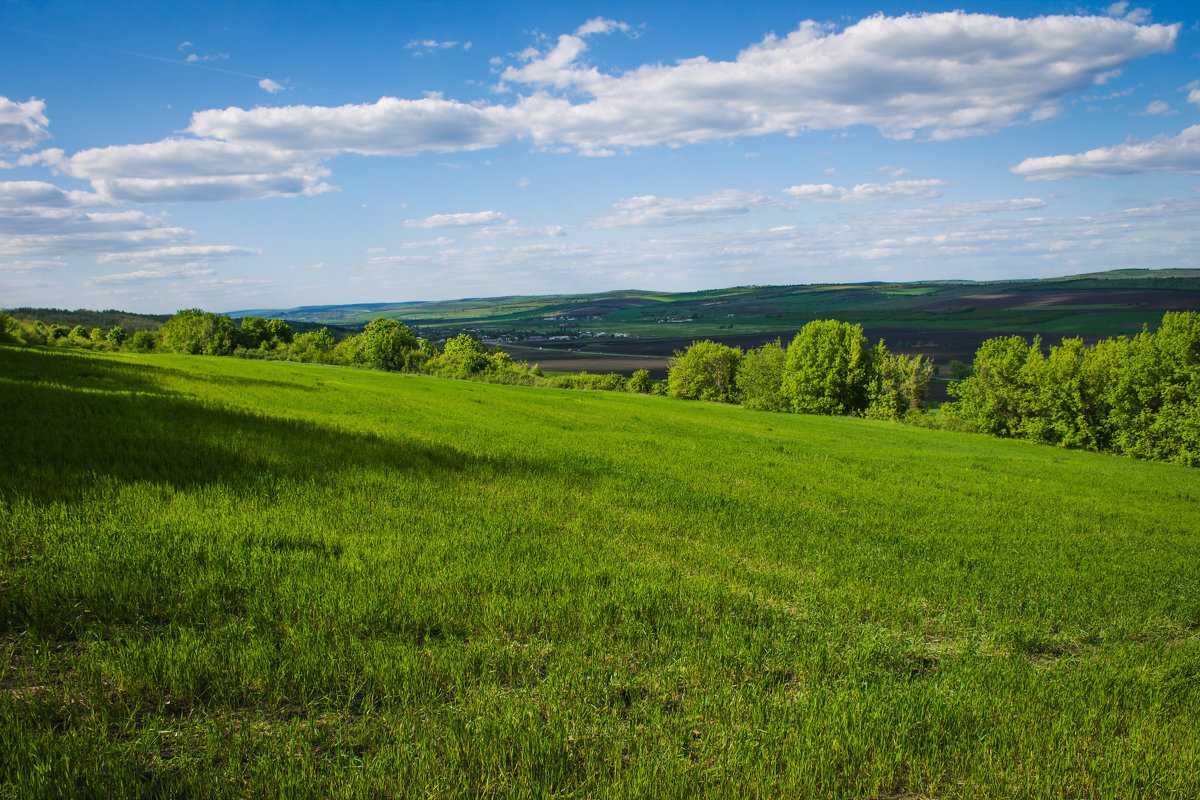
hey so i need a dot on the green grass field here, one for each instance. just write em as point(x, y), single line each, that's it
point(236, 578)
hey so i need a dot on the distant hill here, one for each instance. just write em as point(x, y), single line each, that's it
point(1094, 303)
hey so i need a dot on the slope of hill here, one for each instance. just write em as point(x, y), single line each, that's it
point(231, 578)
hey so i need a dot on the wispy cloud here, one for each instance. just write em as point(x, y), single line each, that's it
point(867, 192)
point(648, 210)
point(461, 220)
point(424, 47)
point(1161, 154)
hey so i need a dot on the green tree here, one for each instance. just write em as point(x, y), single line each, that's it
point(350, 351)
point(462, 355)
point(827, 369)
point(896, 384)
point(998, 395)
point(198, 332)
point(11, 331)
point(116, 337)
point(760, 378)
point(386, 342)
point(707, 370)
point(313, 346)
point(142, 342)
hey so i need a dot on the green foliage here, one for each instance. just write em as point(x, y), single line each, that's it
point(958, 370)
point(194, 331)
point(312, 346)
point(760, 378)
point(142, 342)
point(59, 332)
point(1138, 397)
point(640, 382)
point(896, 384)
point(265, 334)
point(386, 343)
point(79, 332)
point(827, 371)
point(608, 382)
point(116, 337)
point(463, 356)
point(11, 331)
point(705, 371)
point(350, 352)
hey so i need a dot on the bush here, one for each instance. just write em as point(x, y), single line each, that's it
point(640, 382)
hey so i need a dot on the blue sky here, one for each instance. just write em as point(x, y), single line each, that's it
point(157, 156)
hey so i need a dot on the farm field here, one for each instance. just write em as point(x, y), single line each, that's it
point(222, 577)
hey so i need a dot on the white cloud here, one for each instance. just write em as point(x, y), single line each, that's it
point(462, 220)
point(1161, 154)
point(513, 231)
point(601, 25)
point(1158, 108)
point(22, 124)
point(39, 221)
point(866, 192)
point(937, 76)
point(389, 126)
point(189, 170)
point(659, 211)
point(423, 47)
point(180, 253)
point(153, 274)
point(1194, 96)
point(195, 58)
point(1121, 9)
point(268, 85)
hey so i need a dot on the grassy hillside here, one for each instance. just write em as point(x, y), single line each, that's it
point(231, 578)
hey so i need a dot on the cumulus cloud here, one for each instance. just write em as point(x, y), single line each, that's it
point(1161, 154)
point(187, 170)
point(866, 192)
point(22, 125)
point(649, 210)
point(389, 126)
point(268, 85)
point(938, 76)
point(1194, 96)
point(462, 220)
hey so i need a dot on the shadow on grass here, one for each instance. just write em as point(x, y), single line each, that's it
point(70, 419)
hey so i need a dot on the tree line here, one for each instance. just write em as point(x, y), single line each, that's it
point(828, 368)
point(1136, 396)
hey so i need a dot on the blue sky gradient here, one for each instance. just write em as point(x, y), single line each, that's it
point(233, 155)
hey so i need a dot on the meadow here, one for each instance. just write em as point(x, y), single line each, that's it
point(223, 577)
